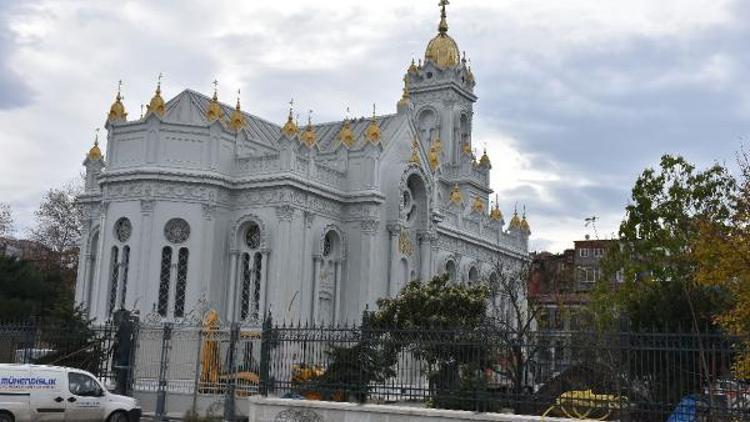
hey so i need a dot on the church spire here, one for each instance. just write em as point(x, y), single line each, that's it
point(156, 105)
point(117, 111)
point(237, 121)
point(443, 26)
point(214, 110)
point(95, 154)
point(290, 127)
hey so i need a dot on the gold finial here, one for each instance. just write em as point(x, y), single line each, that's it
point(405, 98)
point(95, 153)
point(478, 205)
point(524, 224)
point(467, 149)
point(414, 152)
point(290, 127)
point(515, 222)
point(443, 26)
point(412, 67)
point(214, 111)
point(456, 196)
point(156, 105)
point(433, 156)
point(117, 110)
point(308, 136)
point(485, 160)
point(237, 121)
point(346, 134)
point(495, 213)
point(372, 133)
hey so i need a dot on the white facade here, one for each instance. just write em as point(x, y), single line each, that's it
point(310, 223)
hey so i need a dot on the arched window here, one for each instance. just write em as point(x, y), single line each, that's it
point(473, 275)
point(114, 275)
point(179, 293)
point(93, 251)
point(450, 269)
point(250, 273)
point(164, 274)
point(327, 278)
point(125, 267)
point(176, 232)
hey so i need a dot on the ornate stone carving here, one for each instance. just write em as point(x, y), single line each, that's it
point(369, 226)
point(405, 245)
point(123, 229)
point(177, 230)
point(285, 213)
point(147, 206)
point(209, 210)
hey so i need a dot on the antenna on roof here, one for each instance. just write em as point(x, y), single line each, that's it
point(591, 221)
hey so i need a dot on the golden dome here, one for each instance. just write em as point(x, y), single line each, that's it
point(515, 222)
point(157, 105)
point(524, 225)
point(443, 50)
point(346, 134)
point(308, 136)
point(290, 128)
point(117, 110)
point(412, 67)
point(456, 197)
point(485, 160)
point(495, 213)
point(237, 120)
point(372, 133)
point(95, 153)
point(214, 110)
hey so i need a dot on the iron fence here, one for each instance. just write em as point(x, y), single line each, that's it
point(636, 376)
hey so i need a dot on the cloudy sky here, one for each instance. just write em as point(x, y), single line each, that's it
point(576, 96)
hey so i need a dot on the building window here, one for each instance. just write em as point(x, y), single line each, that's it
point(179, 291)
point(473, 275)
point(584, 252)
point(177, 231)
point(123, 229)
point(598, 252)
point(114, 276)
point(588, 274)
point(250, 273)
point(166, 269)
point(125, 267)
point(450, 269)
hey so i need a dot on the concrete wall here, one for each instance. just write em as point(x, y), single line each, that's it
point(273, 409)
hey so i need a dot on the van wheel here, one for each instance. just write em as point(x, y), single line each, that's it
point(115, 417)
point(6, 417)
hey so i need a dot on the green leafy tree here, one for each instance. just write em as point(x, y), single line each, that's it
point(655, 253)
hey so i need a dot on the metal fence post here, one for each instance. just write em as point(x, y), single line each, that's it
point(229, 410)
point(161, 393)
point(265, 355)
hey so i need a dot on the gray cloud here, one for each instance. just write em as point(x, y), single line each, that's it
point(14, 91)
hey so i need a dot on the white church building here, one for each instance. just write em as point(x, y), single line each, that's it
point(198, 203)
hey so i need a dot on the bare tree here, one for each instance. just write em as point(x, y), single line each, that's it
point(513, 318)
point(58, 223)
point(6, 220)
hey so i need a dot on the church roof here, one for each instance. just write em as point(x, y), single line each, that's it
point(328, 132)
point(190, 107)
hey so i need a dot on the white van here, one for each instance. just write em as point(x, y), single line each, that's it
point(53, 393)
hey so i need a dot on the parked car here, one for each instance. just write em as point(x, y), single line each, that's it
point(54, 393)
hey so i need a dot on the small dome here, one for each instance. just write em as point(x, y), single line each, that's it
point(442, 51)
point(484, 160)
point(156, 105)
point(346, 135)
point(95, 153)
point(515, 222)
point(117, 110)
point(237, 120)
point(496, 214)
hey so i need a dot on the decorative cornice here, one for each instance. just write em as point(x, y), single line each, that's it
point(285, 212)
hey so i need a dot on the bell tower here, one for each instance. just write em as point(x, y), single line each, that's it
point(440, 91)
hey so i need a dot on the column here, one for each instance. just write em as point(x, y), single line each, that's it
point(200, 283)
point(305, 287)
point(367, 269)
point(284, 292)
point(315, 288)
point(425, 252)
point(231, 285)
point(264, 284)
point(393, 232)
point(337, 293)
point(145, 281)
point(99, 298)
